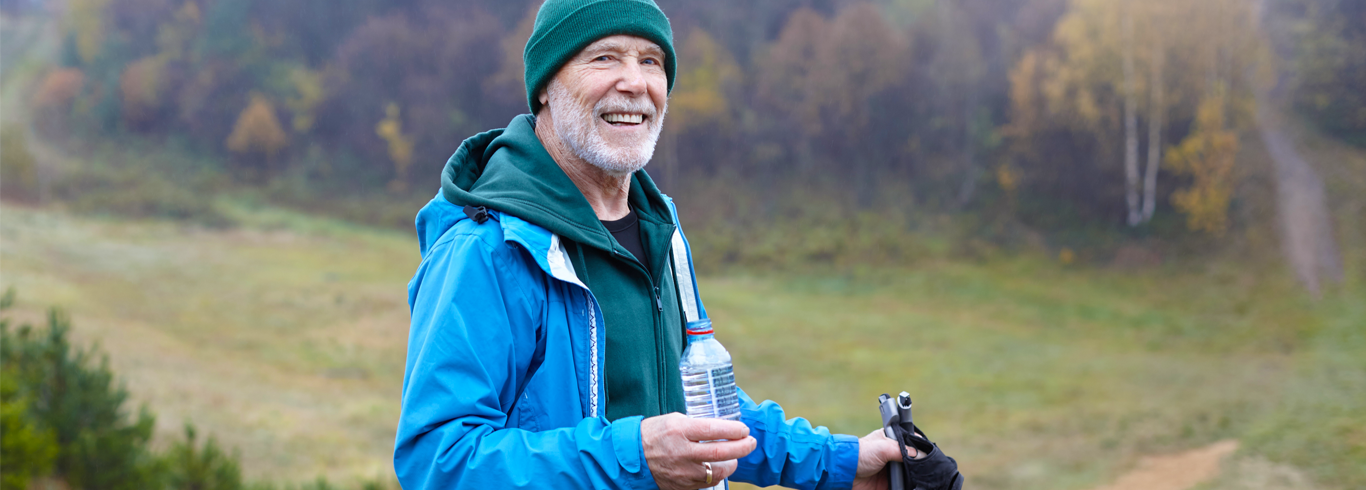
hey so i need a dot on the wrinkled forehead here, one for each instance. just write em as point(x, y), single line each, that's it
point(624, 44)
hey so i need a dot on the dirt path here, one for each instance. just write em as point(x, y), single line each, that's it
point(1306, 225)
point(1177, 471)
point(29, 40)
point(1307, 235)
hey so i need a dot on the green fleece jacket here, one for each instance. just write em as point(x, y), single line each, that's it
point(514, 174)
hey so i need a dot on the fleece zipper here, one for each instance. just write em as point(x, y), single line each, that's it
point(657, 322)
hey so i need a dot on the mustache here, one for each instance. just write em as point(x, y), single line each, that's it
point(622, 104)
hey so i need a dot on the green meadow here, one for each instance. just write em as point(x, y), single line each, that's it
point(285, 335)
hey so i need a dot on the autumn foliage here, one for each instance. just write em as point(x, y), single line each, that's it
point(141, 87)
point(709, 72)
point(400, 145)
point(1207, 157)
point(1062, 107)
point(58, 89)
point(54, 97)
point(1114, 81)
point(257, 131)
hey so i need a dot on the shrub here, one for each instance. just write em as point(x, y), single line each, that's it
point(258, 131)
point(190, 467)
point(70, 394)
point(28, 449)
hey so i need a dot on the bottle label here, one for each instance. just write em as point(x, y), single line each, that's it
point(726, 400)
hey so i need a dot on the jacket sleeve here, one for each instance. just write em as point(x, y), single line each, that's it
point(792, 453)
point(475, 328)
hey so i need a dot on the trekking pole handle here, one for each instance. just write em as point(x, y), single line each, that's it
point(891, 416)
point(903, 408)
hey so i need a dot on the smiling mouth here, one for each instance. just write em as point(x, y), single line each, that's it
point(620, 119)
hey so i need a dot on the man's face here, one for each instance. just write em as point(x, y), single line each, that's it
point(608, 102)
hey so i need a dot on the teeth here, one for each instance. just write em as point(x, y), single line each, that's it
point(624, 118)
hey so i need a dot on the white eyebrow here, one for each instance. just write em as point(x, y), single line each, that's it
point(617, 47)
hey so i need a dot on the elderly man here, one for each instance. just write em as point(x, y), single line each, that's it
point(547, 312)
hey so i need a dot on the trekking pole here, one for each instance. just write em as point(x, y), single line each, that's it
point(903, 409)
point(891, 415)
point(930, 468)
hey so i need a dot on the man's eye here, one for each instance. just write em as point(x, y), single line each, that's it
point(602, 58)
point(650, 61)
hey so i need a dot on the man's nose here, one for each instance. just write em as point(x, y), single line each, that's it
point(632, 79)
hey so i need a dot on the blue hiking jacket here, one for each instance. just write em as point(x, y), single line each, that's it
point(503, 383)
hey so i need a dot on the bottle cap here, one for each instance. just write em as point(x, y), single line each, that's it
point(700, 327)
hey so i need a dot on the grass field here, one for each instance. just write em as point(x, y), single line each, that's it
point(285, 338)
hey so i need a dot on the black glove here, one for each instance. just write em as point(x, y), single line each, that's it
point(936, 471)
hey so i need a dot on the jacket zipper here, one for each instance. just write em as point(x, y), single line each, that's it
point(593, 354)
point(660, 377)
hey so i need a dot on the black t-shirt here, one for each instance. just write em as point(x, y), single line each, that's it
point(627, 233)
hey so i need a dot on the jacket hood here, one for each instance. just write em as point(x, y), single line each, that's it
point(508, 170)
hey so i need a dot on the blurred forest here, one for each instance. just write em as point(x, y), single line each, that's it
point(1089, 114)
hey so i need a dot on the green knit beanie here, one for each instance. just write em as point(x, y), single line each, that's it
point(565, 27)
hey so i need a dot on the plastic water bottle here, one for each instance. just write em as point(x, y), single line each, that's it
point(708, 379)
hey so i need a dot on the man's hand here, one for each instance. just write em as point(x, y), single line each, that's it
point(875, 450)
point(675, 454)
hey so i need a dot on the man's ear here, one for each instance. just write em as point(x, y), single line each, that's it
point(545, 104)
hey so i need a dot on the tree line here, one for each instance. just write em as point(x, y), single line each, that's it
point(1109, 111)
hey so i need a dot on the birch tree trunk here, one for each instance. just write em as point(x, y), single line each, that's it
point(1157, 113)
point(1130, 119)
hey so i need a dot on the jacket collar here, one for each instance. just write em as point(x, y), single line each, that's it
point(543, 245)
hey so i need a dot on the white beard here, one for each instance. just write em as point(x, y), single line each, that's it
point(576, 124)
